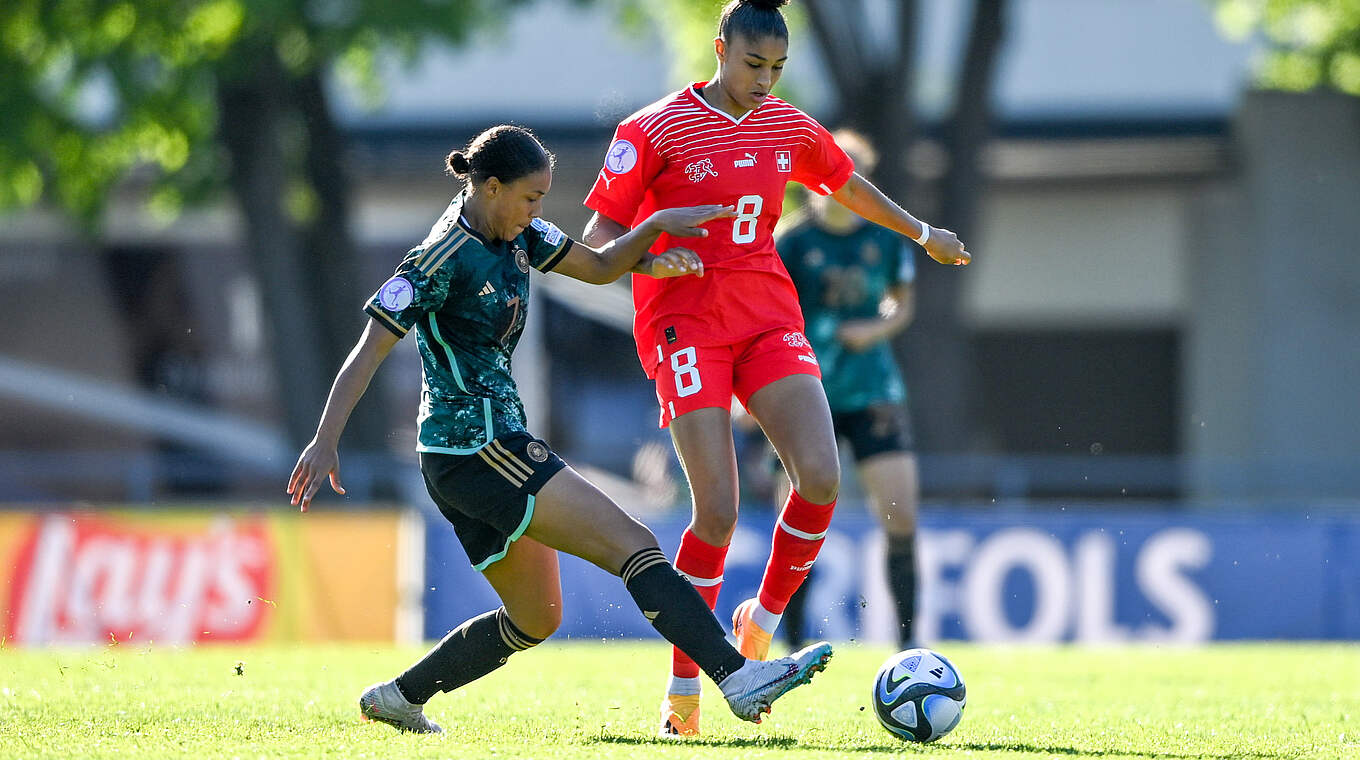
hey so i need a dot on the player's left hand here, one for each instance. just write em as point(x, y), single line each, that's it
point(945, 247)
point(684, 222)
point(677, 262)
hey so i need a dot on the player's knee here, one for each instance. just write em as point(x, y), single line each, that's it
point(628, 539)
point(549, 620)
point(642, 537)
point(899, 519)
point(540, 622)
point(819, 482)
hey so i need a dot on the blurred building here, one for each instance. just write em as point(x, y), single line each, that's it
point(1164, 299)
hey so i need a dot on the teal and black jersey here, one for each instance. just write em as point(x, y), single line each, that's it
point(466, 298)
point(841, 278)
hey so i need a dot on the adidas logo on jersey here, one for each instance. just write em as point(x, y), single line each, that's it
point(745, 163)
point(487, 289)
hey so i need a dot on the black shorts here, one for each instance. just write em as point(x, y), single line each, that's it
point(878, 429)
point(489, 496)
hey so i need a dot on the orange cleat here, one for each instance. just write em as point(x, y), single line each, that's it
point(679, 716)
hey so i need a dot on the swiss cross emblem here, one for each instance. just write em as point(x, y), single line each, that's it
point(783, 160)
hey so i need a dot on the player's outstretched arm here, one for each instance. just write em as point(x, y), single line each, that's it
point(627, 251)
point(600, 230)
point(321, 457)
point(860, 196)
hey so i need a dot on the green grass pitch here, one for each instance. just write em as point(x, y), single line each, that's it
point(598, 700)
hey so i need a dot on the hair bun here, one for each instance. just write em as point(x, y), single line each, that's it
point(458, 163)
point(769, 5)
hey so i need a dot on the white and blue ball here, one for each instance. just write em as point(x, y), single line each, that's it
point(919, 695)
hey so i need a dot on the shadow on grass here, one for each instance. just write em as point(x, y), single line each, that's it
point(1073, 751)
point(767, 742)
point(788, 742)
point(761, 742)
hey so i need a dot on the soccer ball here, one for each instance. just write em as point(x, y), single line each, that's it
point(919, 695)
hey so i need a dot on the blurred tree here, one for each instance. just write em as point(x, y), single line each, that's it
point(198, 96)
point(871, 68)
point(1313, 43)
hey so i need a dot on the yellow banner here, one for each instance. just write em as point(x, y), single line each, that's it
point(189, 577)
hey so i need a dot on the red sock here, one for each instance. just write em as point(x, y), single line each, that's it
point(702, 563)
point(798, 537)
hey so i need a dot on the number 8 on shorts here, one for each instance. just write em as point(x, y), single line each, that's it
point(685, 364)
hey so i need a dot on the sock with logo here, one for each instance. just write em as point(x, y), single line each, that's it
point(468, 652)
point(798, 537)
point(702, 563)
point(902, 581)
point(678, 613)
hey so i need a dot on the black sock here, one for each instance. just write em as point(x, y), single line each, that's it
point(902, 582)
point(795, 612)
point(470, 651)
point(677, 612)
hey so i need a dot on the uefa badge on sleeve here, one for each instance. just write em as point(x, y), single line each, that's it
point(396, 294)
point(621, 157)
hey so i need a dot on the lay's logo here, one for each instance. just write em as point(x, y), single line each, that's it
point(82, 578)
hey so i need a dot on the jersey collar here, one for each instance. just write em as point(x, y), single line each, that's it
point(694, 93)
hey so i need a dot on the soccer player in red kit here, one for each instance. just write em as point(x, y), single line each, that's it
point(738, 329)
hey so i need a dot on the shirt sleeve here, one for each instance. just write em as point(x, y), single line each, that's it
point(630, 165)
point(419, 286)
point(823, 168)
point(547, 244)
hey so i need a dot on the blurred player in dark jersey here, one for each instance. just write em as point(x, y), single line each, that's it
point(854, 283)
point(738, 331)
point(512, 501)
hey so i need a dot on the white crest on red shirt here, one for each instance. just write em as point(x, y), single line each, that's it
point(700, 169)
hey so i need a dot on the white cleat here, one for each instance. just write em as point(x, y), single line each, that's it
point(753, 689)
point(385, 703)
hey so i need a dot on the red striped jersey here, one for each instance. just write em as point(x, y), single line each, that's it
point(681, 151)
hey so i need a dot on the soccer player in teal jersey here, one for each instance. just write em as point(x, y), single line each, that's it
point(511, 500)
point(854, 283)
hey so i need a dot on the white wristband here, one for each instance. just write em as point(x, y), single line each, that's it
point(925, 234)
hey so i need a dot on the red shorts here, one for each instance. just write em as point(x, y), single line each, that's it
point(699, 377)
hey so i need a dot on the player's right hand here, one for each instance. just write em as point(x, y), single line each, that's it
point(945, 247)
point(684, 222)
point(316, 462)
